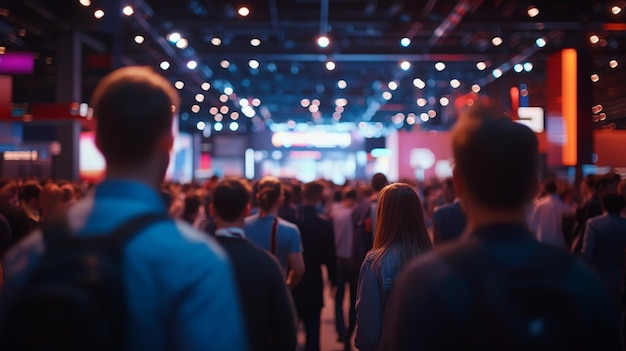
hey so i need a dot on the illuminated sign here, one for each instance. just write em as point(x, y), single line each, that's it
point(311, 139)
point(532, 117)
point(20, 155)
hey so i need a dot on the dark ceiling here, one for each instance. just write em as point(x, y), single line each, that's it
point(365, 46)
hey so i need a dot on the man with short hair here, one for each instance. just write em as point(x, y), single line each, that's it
point(498, 288)
point(318, 243)
point(267, 305)
point(179, 287)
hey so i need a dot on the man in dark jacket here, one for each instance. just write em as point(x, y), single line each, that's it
point(318, 243)
point(499, 288)
point(267, 305)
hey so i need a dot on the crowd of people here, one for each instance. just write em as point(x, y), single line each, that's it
point(486, 260)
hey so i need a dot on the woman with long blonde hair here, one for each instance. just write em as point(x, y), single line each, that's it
point(400, 236)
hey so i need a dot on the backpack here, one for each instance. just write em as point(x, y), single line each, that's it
point(520, 308)
point(74, 298)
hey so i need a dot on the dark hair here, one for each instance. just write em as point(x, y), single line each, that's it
point(312, 191)
point(497, 158)
point(230, 198)
point(134, 106)
point(268, 192)
point(379, 181)
point(549, 186)
point(192, 204)
point(613, 203)
point(349, 193)
point(400, 221)
point(30, 191)
point(602, 183)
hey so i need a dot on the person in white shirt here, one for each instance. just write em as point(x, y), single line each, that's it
point(546, 219)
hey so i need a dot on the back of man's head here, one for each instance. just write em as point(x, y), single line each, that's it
point(230, 198)
point(379, 181)
point(613, 203)
point(134, 107)
point(312, 192)
point(549, 186)
point(496, 158)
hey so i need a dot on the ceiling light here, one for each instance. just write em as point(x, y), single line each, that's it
point(421, 102)
point(496, 41)
point(405, 65)
point(199, 97)
point(223, 98)
point(164, 65)
point(305, 103)
point(440, 66)
point(179, 84)
point(128, 10)
point(314, 108)
point(228, 91)
point(432, 113)
point(255, 42)
point(85, 2)
point(336, 116)
point(225, 64)
point(481, 66)
point(234, 115)
point(233, 126)
point(182, 43)
point(392, 85)
point(387, 96)
point(218, 117)
point(455, 83)
point(341, 102)
point(341, 84)
point(174, 37)
point(594, 39)
point(243, 102)
point(419, 84)
point(533, 11)
point(444, 101)
point(205, 86)
point(424, 117)
point(476, 88)
point(213, 110)
point(315, 102)
point(224, 109)
point(323, 41)
point(330, 65)
point(528, 67)
point(192, 64)
point(200, 125)
point(410, 119)
point(404, 42)
point(254, 64)
point(613, 63)
point(243, 11)
point(497, 73)
point(541, 42)
point(195, 108)
point(248, 111)
point(218, 127)
point(340, 109)
point(139, 39)
point(256, 102)
point(216, 41)
point(595, 78)
point(98, 14)
point(616, 10)
point(518, 68)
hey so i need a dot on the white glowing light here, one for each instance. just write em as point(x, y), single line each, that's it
point(179, 84)
point(418, 83)
point(128, 10)
point(405, 65)
point(192, 64)
point(98, 14)
point(174, 37)
point(243, 11)
point(164, 65)
point(330, 65)
point(455, 83)
point(323, 41)
point(254, 64)
point(139, 39)
point(440, 66)
point(341, 84)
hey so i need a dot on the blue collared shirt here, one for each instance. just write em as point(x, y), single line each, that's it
point(179, 283)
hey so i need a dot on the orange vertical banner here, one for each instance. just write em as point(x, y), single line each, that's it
point(570, 106)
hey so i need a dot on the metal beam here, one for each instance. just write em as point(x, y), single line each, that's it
point(459, 11)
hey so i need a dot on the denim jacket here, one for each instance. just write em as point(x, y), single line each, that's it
point(375, 282)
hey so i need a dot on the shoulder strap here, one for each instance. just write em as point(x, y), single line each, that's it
point(57, 232)
point(273, 238)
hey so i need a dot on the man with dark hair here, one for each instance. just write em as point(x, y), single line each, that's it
point(591, 208)
point(546, 219)
point(318, 243)
point(498, 288)
point(604, 244)
point(180, 292)
point(268, 308)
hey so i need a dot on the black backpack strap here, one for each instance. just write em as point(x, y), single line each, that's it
point(57, 232)
point(273, 237)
